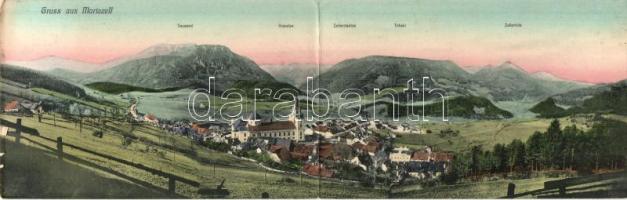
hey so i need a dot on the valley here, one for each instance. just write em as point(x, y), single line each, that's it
point(131, 124)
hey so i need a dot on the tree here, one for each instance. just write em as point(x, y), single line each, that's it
point(489, 162)
point(554, 131)
point(459, 168)
point(554, 136)
point(569, 140)
point(586, 152)
point(517, 155)
point(536, 145)
point(475, 154)
point(501, 156)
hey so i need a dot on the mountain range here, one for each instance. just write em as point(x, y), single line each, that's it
point(505, 82)
point(167, 67)
point(55, 63)
point(189, 65)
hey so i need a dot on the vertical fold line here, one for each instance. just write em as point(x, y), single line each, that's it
point(318, 53)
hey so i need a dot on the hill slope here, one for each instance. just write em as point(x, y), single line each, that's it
point(609, 98)
point(67, 74)
point(386, 71)
point(31, 78)
point(578, 96)
point(509, 82)
point(612, 101)
point(295, 74)
point(548, 108)
point(183, 67)
point(118, 88)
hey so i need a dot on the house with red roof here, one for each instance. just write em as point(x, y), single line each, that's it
point(315, 169)
point(150, 118)
point(11, 106)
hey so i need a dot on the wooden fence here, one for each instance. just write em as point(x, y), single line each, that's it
point(172, 179)
point(559, 188)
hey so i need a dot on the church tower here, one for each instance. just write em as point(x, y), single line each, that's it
point(294, 117)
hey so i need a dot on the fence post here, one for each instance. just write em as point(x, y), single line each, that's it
point(3, 142)
point(511, 187)
point(60, 148)
point(80, 129)
point(18, 130)
point(562, 191)
point(171, 185)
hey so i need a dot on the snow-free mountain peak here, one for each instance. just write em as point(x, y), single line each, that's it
point(510, 65)
point(168, 66)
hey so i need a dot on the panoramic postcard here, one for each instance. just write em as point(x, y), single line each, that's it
point(313, 99)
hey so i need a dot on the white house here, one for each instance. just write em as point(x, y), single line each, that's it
point(400, 154)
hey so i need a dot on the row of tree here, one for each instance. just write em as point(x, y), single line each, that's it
point(601, 147)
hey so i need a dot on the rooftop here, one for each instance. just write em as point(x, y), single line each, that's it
point(272, 126)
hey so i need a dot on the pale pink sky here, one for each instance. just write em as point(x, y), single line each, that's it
point(585, 42)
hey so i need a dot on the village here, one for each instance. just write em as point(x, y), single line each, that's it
point(350, 149)
point(358, 150)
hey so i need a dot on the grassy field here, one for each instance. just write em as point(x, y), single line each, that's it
point(35, 173)
point(486, 189)
point(244, 179)
point(608, 187)
point(479, 132)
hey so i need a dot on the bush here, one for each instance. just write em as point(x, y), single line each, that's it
point(98, 134)
point(286, 180)
point(126, 141)
point(448, 133)
point(449, 178)
point(218, 146)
